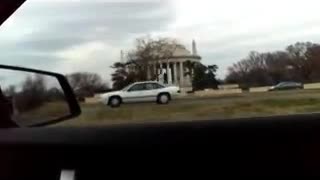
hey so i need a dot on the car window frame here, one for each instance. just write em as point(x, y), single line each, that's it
point(292, 84)
point(279, 85)
point(152, 87)
point(130, 89)
point(282, 84)
point(157, 84)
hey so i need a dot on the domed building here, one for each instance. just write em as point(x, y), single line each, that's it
point(173, 70)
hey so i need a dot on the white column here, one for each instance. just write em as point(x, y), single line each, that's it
point(161, 72)
point(175, 74)
point(181, 73)
point(168, 72)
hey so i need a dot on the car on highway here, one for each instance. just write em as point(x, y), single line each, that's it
point(141, 92)
point(286, 86)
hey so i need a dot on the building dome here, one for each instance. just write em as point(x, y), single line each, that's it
point(182, 52)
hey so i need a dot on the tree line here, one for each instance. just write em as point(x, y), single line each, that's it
point(86, 84)
point(299, 62)
point(33, 92)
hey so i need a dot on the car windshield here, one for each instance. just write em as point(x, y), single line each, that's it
point(209, 60)
point(126, 88)
point(282, 84)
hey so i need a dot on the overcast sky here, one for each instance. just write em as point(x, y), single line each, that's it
point(87, 35)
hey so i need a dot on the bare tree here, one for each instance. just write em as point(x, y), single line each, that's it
point(32, 94)
point(86, 84)
point(300, 62)
point(148, 50)
point(10, 91)
point(55, 94)
point(145, 51)
point(277, 66)
point(313, 55)
point(257, 69)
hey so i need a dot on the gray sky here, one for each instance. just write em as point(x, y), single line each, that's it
point(87, 35)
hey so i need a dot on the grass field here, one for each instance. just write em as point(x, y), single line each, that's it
point(43, 113)
point(195, 108)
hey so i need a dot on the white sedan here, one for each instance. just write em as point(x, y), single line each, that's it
point(141, 92)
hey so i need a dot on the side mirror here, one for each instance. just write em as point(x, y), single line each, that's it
point(33, 98)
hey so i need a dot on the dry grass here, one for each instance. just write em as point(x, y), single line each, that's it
point(191, 108)
point(44, 113)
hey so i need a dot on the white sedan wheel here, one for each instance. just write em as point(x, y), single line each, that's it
point(115, 102)
point(164, 99)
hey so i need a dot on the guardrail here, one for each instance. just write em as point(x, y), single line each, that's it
point(217, 92)
point(210, 92)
